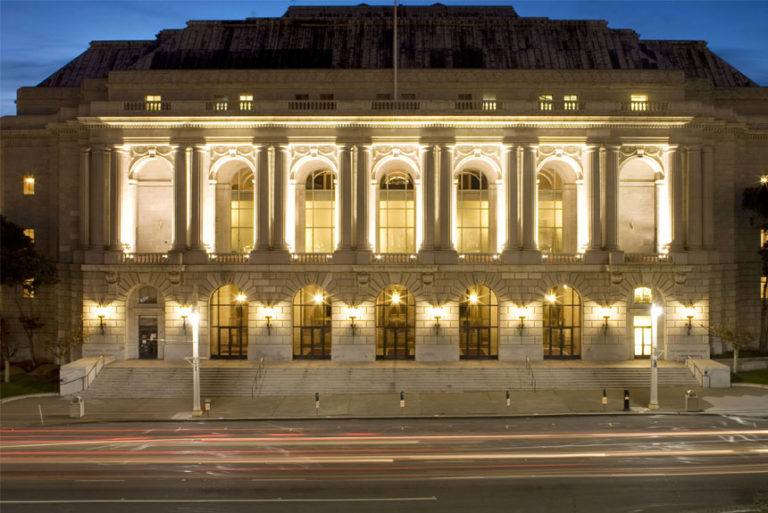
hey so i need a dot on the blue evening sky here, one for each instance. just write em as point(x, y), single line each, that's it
point(39, 37)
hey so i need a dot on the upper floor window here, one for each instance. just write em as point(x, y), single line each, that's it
point(30, 232)
point(550, 211)
point(472, 206)
point(467, 97)
point(326, 96)
point(643, 296)
point(153, 102)
point(489, 102)
point(570, 102)
point(241, 212)
point(29, 185)
point(319, 212)
point(638, 102)
point(302, 97)
point(397, 214)
point(408, 96)
point(546, 102)
point(220, 103)
point(383, 96)
point(246, 102)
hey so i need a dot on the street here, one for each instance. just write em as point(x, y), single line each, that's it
point(672, 463)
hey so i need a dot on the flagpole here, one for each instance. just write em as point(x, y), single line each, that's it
point(394, 53)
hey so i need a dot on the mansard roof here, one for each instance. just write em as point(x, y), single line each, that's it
point(436, 36)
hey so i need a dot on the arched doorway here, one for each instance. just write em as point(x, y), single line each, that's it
point(562, 323)
point(147, 326)
point(479, 324)
point(229, 323)
point(395, 324)
point(641, 319)
point(311, 323)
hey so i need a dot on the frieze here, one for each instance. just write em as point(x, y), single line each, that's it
point(300, 151)
point(651, 151)
point(221, 151)
point(409, 152)
point(139, 152)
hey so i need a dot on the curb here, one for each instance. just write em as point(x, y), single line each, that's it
point(27, 396)
point(749, 385)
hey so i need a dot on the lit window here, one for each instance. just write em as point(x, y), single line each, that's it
point(246, 102)
point(29, 185)
point(228, 323)
point(638, 102)
point(550, 211)
point(28, 288)
point(489, 102)
point(241, 212)
point(562, 323)
point(397, 214)
point(311, 323)
point(570, 102)
point(763, 237)
point(153, 102)
point(478, 324)
point(473, 225)
point(30, 232)
point(319, 212)
point(643, 296)
point(545, 102)
point(764, 287)
point(641, 327)
point(220, 103)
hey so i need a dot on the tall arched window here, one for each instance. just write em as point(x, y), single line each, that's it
point(479, 324)
point(642, 322)
point(311, 323)
point(229, 323)
point(473, 220)
point(397, 214)
point(395, 324)
point(637, 207)
point(241, 212)
point(319, 212)
point(550, 211)
point(562, 323)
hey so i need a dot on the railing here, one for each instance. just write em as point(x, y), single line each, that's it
point(484, 105)
point(562, 258)
point(641, 107)
point(478, 258)
point(395, 105)
point(643, 258)
point(395, 258)
point(147, 106)
point(312, 258)
point(144, 258)
point(86, 378)
point(312, 105)
point(228, 258)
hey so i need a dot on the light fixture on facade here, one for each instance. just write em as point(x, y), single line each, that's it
point(764, 179)
point(318, 298)
point(473, 298)
point(605, 313)
point(437, 314)
point(551, 298)
point(395, 298)
point(269, 313)
point(240, 298)
point(101, 313)
point(353, 314)
point(689, 312)
point(521, 314)
point(185, 311)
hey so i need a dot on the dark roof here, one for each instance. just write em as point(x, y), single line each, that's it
point(434, 36)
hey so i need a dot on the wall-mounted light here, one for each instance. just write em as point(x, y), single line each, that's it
point(605, 312)
point(521, 314)
point(269, 313)
point(240, 298)
point(437, 314)
point(473, 298)
point(551, 298)
point(185, 311)
point(101, 312)
point(353, 314)
point(764, 179)
point(689, 312)
point(318, 298)
point(395, 298)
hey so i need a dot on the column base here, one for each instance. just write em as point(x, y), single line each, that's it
point(175, 257)
point(446, 256)
point(364, 257)
point(615, 257)
point(530, 256)
point(510, 256)
point(344, 256)
point(595, 257)
point(269, 256)
point(113, 256)
point(427, 256)
point(195, 256)
point(93, 256)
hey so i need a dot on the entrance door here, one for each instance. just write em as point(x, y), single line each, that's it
point(642, 335)
point(314, 342)
point(396, 324)
point(560, 343)
point(562, 323)
point(395, 344)
point(147, 337)
point(228, 343)
point(476, 341)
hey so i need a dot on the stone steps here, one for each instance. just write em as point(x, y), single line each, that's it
point(138, 382)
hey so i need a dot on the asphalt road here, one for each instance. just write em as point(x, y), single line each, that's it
point(586, 464)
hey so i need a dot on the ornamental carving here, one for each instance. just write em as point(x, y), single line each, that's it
point(488, 151)
point(650, 151)
point(221, 151)
point(139, 152)
point(567, 150)
point(408, 152)
point(300, 151)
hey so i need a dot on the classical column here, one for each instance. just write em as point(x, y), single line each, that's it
point(363, 161)
point(595, 156)
point(116, 172)
point(98, 195)
point(529, 198)
point(676, 199)
point(196, 187)
point(261, 200)
point(180, 199)
point(85, 195)
point(513, 237)
point(428, 198)
point(611, 213)
point(708, 197)
point(278, 200)
point(694, 210)
point(446, 194)
point(345, 199)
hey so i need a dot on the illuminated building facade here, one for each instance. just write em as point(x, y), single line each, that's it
point(527, 189)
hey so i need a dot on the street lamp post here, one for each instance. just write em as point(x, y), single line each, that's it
point(195, 318)
point(654, 402)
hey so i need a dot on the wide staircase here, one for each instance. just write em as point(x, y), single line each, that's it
point(135, 379)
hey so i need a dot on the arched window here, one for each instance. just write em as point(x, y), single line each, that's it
point(562, 323)
point(472, 205)
point(397, 214)
point(241, 212)
point(395, 324)
point(311, 323)
point(319, 212)
point(229, 323)
point(641, 322)
point(550, 211)
point(637, 207)
point(479, 324)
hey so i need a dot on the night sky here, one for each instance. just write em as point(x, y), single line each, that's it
point(37, 38)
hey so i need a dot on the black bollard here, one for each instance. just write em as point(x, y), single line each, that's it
point(317, 400)
point(605, 398)
point(508, 401)
point(626, 399)
point(402, 399)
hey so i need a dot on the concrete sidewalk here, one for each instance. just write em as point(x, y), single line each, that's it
point(738, 400)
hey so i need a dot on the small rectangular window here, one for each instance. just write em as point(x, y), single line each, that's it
point(153, 102)
point(302, 97)
point(30, 232)
point(29, 185)
point(383, 96)
point(570, 102)
point(489, 102)
point(638, 102)
point(545, 102)
point(763, 237)
point(246, 102)
point(763, 291)
point(326, 96)
point(220, 103)
point(465, 96)
point(407, 96)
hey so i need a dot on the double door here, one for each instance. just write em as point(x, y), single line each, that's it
point(561, 342)
point(396, 343)
point(148, 337)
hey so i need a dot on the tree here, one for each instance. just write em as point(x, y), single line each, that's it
point(62, 347)
point(25, 272)
point(737, 339)
point(755, 199)
point(8, 347)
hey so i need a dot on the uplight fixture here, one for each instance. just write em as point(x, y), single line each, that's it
point(605, 313)
point(185, 311)
point(689, 312)
point(101, 312)
point(437, 314)
point(353, 314)
point(268, 313)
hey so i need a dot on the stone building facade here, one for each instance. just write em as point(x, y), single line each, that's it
point(534, 189)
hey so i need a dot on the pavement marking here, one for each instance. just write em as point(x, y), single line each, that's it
point(198, 501)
